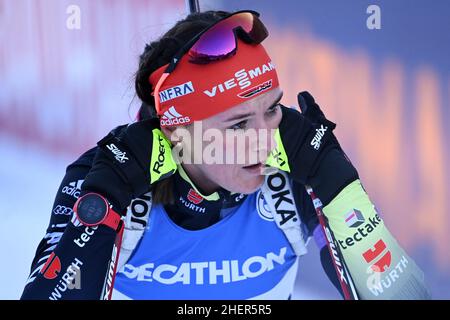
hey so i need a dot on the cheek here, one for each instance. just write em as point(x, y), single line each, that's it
point(272, 124)
point(234, 149)
point(274, 121)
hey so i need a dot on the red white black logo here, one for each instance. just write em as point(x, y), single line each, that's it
point(194, 197)
point(354, 218)
point(256, 89)
point(52, 267)
point(379, 255)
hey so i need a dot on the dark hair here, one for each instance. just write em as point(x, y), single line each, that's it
point(160, 52)
point(155, 55)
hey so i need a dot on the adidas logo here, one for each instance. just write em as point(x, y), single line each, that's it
point(172, 118)
point(73, 189)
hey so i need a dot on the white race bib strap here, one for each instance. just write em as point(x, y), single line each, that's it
point(278, 195)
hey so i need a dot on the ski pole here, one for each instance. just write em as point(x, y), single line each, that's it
point(344, 277)
point(192, 6)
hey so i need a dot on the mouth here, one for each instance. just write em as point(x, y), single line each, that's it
point(254, 168)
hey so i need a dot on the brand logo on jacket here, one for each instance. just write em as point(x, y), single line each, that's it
point(380, 259)
point(379, 253)
point(194, 197)
point(362, 230)
point(121, 156)
point(317, 140)
point(206, 272)
point(62, 210)
point(71, 279)
point(52, 267)
point(354, 218)
point(139, 211)
point(262, 207)
point(191, 206)
point(282, 196)
point(73, 189)
point(85, 236)
point(161, 156)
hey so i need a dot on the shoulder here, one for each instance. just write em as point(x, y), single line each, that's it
point(76, 171)
point(85, 160)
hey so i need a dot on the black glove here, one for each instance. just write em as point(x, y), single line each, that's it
point(314, 155)
point(128, 160)
point(311, 110)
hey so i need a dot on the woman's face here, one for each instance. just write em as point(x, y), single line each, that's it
point(234, 145)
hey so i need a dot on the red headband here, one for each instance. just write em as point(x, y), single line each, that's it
point(195, 92)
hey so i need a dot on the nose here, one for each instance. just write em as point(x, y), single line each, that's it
point(264, 142)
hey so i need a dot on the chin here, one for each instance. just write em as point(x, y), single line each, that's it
point(248, 186)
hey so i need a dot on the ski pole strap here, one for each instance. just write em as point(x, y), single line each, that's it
point(344, 277)
point(136, 222)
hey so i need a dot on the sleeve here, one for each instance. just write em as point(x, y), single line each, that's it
point(71, 261)
point(379, 266)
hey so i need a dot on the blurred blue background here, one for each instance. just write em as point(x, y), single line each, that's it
point(62, 87)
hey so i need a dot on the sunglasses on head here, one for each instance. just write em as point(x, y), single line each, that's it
point(217, 42)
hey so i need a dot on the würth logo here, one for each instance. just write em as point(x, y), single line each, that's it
point(52, 267)
point(172, 117)
point(194, 197)
point(381, 254)
point(120, 156)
